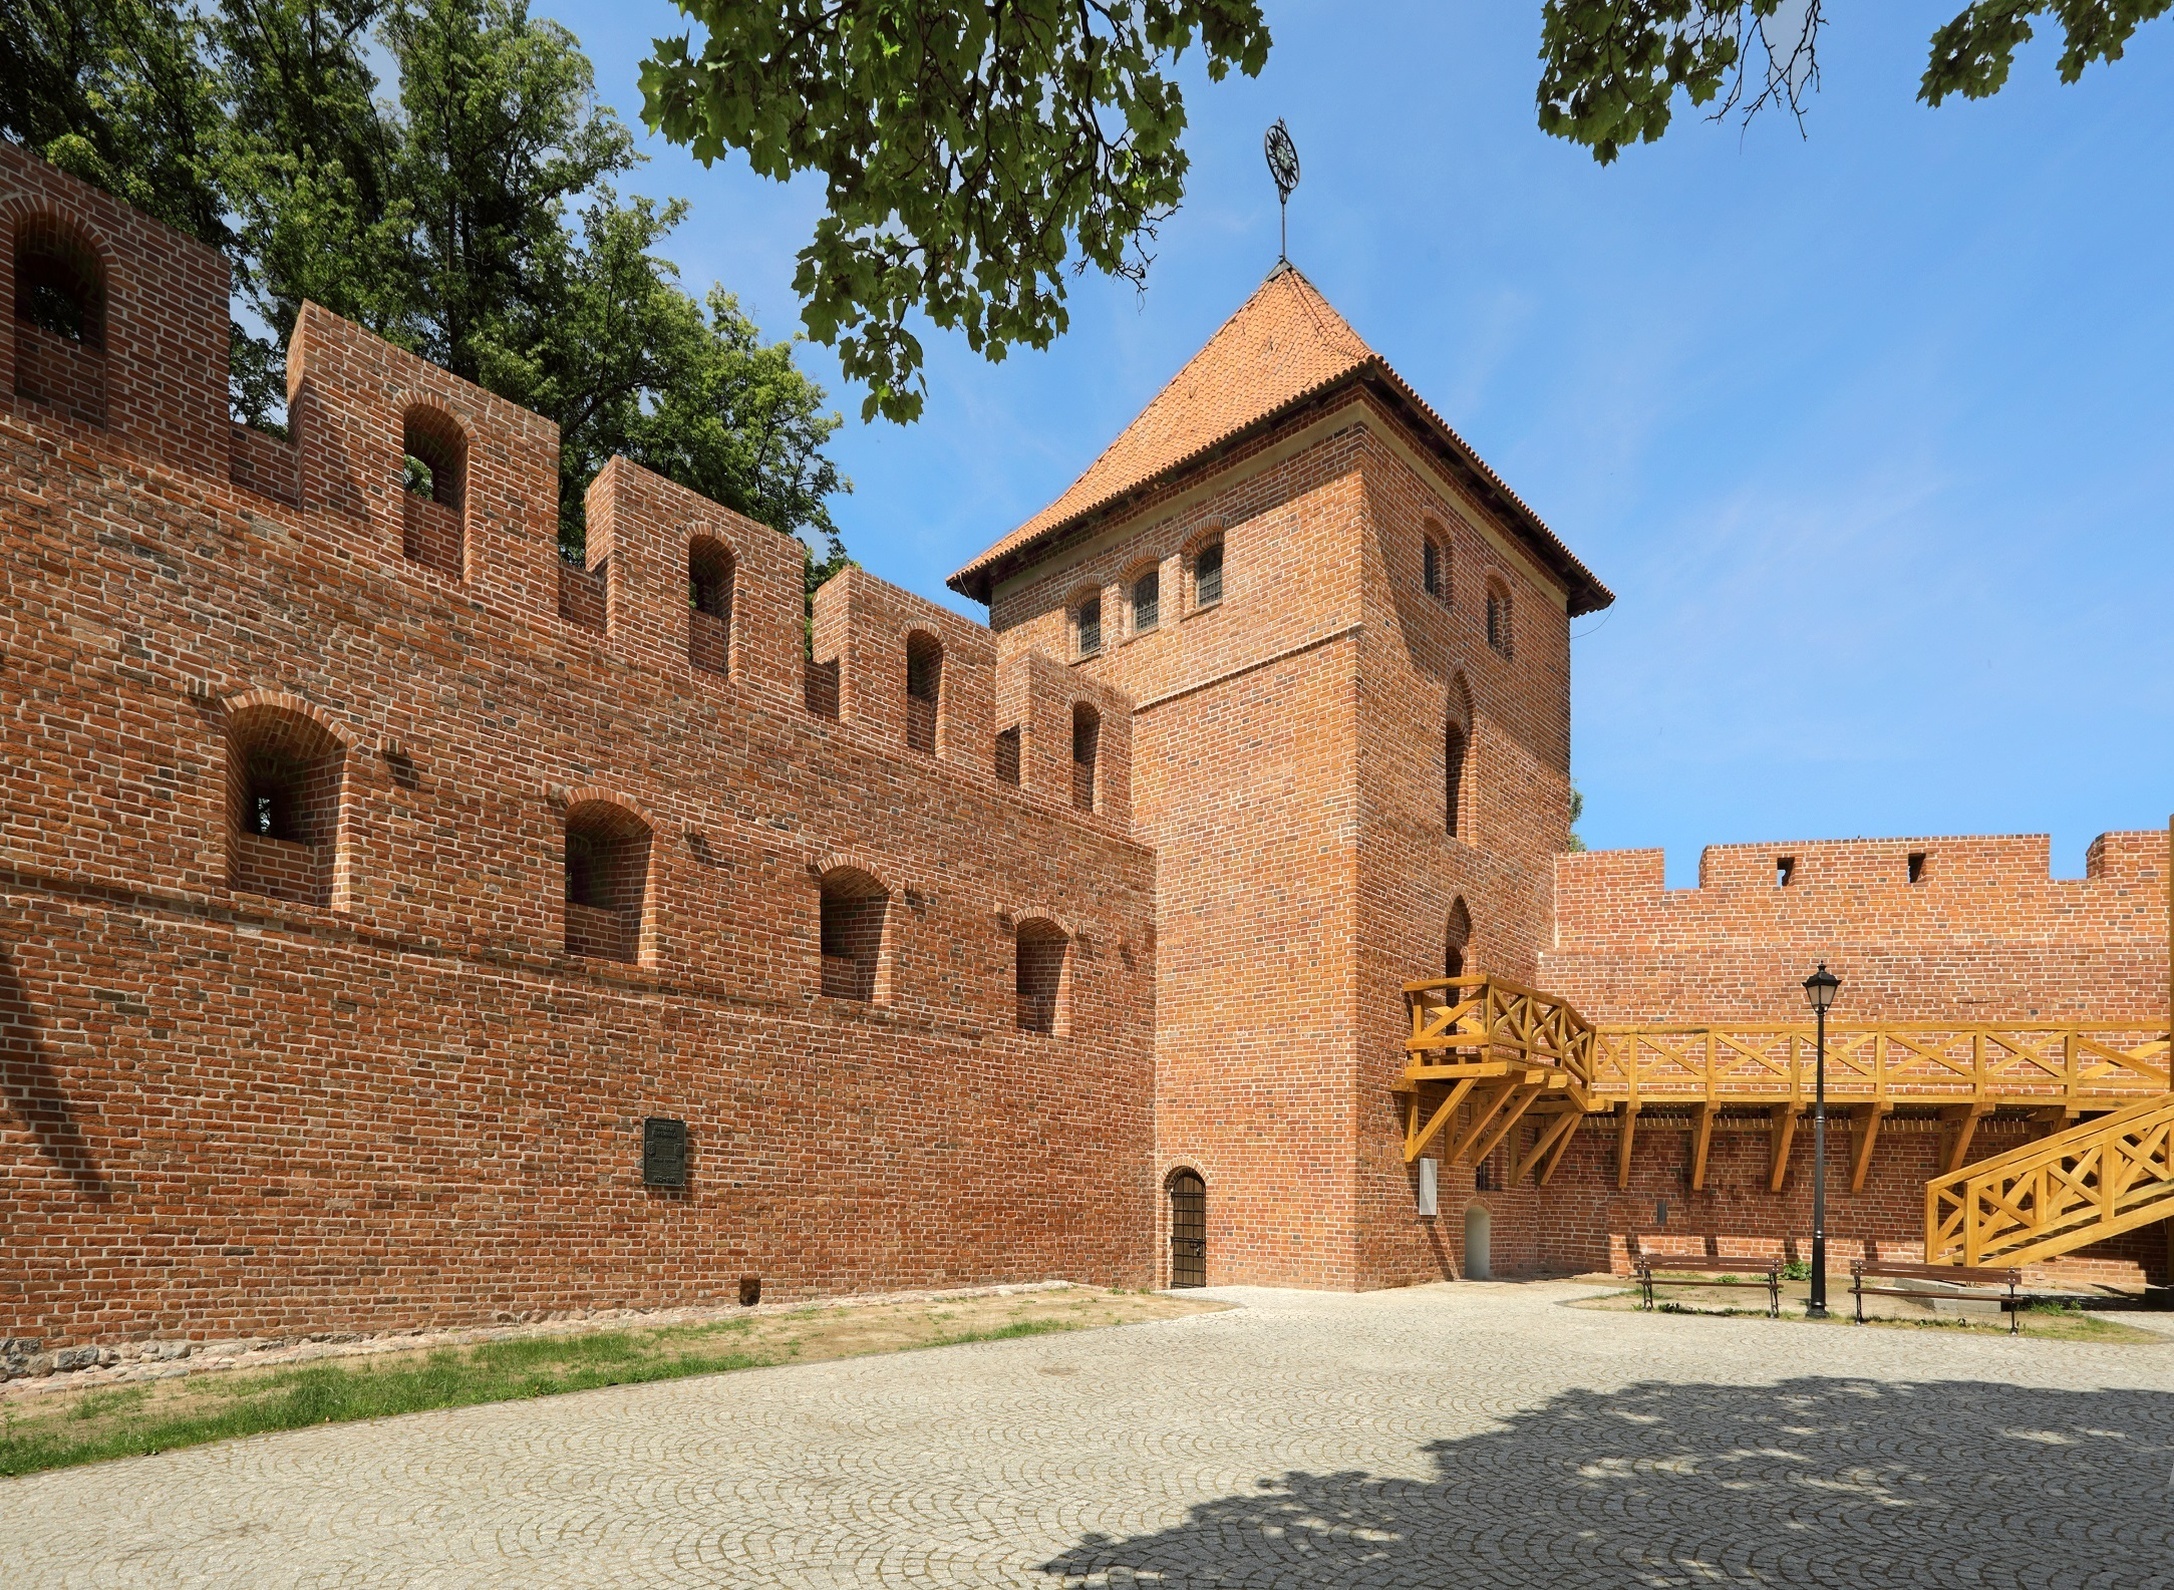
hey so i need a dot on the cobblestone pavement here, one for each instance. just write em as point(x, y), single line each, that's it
point(1476, 1434)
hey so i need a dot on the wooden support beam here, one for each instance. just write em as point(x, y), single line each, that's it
point(1484, 1111)
point(1781, 1134)
point(1963, 1120)
point(1869, 1117)
point(1525, 1097)
point(1577, 1119)
point(1624, 1132)
point(1556, 1129)
point(1416, 1139)
point(1702, 1137)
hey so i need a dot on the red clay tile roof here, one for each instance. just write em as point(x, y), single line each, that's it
point(1283, 346)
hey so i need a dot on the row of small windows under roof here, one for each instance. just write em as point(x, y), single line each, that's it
point(1143, 599)
point(1435, 577)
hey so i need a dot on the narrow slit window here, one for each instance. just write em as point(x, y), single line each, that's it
point(709, 605)
point(924, 690)
point(1453, 754)
point(1039, 976)
point(1785, 871)
point(1086, 750)
point(434, 475)
point(1499, 634)
point(1917, 866)
point(1433, 571)
point(1208, 575)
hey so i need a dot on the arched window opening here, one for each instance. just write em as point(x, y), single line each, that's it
point(1499, 633)
point(607, 881)
point(1434, 571)
point(1042, 967)
point(284, 780)
point(60, 318)
point(1086, 749)
point(434, 471)
point(1456, 939)
point(924, 689)
point(1454, 745)
point(854, 906)
point(1147, 602)
point(1087, 626)
point(1208, 574)
point(1188, 1230)
point(709, 605)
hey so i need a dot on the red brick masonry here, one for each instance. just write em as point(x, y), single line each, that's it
point(368, 876)
point(353, 1078)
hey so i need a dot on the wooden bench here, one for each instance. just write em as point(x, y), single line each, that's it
point(1970, 1286)
point(1672, 1269)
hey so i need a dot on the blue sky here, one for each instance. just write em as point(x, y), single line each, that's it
point(1867, 429)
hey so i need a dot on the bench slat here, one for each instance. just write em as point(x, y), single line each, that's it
point(1939, 1272)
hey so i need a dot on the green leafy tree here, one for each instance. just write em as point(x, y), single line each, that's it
point(468, 217)
point(967, 149)
point(118, 92)
point(1611, 69)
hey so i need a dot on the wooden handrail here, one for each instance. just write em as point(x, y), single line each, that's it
point(2093, 1181)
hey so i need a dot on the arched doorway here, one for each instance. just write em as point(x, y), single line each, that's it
point(1188, 1230)
point(1478, 1262)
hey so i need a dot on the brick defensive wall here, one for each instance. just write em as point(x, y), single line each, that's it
point(368, 878)
point(1961, 929)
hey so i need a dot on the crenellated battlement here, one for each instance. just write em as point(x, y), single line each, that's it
point(1591, 883)
point(1918, 928)
point(674, 583)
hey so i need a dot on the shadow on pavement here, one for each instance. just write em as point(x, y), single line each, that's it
point(1812, 1482)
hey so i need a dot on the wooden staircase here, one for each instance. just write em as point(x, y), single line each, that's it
point(2096, 1180)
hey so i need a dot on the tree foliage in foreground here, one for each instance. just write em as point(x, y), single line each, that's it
point(464, 210)
point(1611, 68)
point(967, 150)
point(972, 152)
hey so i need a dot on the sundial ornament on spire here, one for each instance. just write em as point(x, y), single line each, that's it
point(1283, 170)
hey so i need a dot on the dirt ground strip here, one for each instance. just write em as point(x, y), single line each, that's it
point(882, 1321)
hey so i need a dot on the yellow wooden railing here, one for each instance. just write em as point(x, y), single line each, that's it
point(2093, 1181)
point(1485, 1054)
point(2095, 1066)
point(1505, 1050)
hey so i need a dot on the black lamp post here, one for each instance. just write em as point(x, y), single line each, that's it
point(1820, 989)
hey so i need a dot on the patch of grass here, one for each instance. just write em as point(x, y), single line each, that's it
point(120, 1423)
point(1011, 1332)
point(61, 1429)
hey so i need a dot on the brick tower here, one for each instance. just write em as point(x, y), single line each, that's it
point(1346, 642)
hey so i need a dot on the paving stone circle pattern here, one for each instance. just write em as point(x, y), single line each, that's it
point(1475, 1434)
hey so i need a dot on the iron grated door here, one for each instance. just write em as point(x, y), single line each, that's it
point(1188, 1230)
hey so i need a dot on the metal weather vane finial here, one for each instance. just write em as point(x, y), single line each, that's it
point(1283, 171)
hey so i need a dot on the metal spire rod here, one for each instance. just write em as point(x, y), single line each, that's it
point(1283, 171)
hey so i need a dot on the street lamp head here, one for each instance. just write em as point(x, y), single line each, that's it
point(1820, 987)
